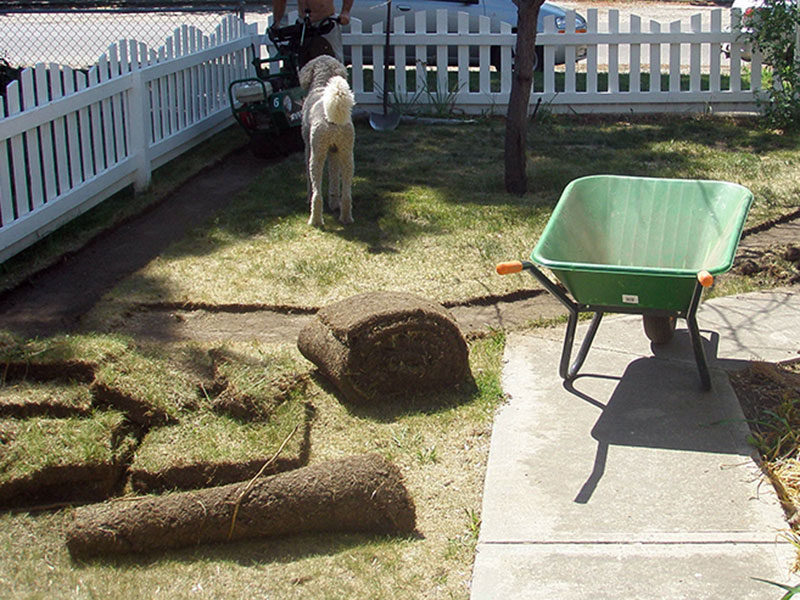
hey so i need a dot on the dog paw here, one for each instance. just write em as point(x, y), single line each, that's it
point(318, 222)
point(346, 219)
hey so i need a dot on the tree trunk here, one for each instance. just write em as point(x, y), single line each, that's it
point(517, 119)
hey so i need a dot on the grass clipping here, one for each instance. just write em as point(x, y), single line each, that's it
point(362, 493)
point(386, 344)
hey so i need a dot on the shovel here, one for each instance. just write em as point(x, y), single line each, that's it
point(386, 121)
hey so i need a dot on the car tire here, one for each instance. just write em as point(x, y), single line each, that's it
point(538, 58)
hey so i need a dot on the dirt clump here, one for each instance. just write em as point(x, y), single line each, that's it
point(384, 345)
point(356, 494)
point(779, 262)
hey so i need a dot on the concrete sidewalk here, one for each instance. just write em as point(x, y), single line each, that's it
point(631, 482)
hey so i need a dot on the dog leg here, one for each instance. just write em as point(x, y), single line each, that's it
point(308, 171)
point(334, 182)
point(316, 168)
point(346, 172)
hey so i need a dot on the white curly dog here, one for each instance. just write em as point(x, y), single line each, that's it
point(328, 133)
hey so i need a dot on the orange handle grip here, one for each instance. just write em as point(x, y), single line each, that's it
point(705, 278)
point(505, 268)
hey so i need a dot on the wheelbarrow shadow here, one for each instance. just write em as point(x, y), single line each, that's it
point(658, 403)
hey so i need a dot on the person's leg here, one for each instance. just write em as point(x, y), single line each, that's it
point(334, 38)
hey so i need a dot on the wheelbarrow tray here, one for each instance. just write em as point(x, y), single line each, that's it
point(636, 244)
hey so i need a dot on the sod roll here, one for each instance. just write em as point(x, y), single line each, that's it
point(356, 494)
point(384, 345)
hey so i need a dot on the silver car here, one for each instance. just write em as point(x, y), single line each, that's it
point(374, 11)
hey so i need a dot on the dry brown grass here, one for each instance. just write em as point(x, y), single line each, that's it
point(770, 397)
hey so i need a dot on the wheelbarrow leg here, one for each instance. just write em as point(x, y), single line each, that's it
point(697, 340)
point(565, 370)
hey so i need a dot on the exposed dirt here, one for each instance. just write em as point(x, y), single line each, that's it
point(55, 299)
point(769, 395)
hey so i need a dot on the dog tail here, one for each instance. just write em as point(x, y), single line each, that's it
point(338, 100)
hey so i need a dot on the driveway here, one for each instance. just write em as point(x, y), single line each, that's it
point(662, 12)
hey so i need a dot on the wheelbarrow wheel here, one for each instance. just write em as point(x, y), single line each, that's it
point(659, 330)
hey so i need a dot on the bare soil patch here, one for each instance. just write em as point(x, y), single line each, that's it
point(770, 397)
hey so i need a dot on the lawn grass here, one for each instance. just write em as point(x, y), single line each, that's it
point(156, 380)
point(39, 452)
point(426, 96)
point(209, 438)
point(49, 399)
point(36, 444)
point(432, 219)
point(431, 214)
point(440, 444)
point(91, 348)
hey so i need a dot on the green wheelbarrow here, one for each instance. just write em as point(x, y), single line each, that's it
point(637, 245)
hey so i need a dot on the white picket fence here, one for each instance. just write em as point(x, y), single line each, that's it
point(69, 139)
point(668, 56)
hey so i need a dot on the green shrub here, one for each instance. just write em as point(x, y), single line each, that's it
point(771, 29)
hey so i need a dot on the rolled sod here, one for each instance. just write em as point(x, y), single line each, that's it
point(386, 344)
point(362, 493)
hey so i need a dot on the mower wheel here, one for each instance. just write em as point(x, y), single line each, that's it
point(293, 140)
point(269, 147)
point(265, 146)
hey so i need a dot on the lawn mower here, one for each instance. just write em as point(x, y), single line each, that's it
point(269, 106)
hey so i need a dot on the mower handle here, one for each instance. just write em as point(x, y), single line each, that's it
point(301, 29)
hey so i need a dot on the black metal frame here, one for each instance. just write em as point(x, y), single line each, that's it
point(569, 371)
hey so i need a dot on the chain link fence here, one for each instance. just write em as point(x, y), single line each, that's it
point(77, 34)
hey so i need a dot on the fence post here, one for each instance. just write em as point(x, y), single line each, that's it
point(139, 144)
